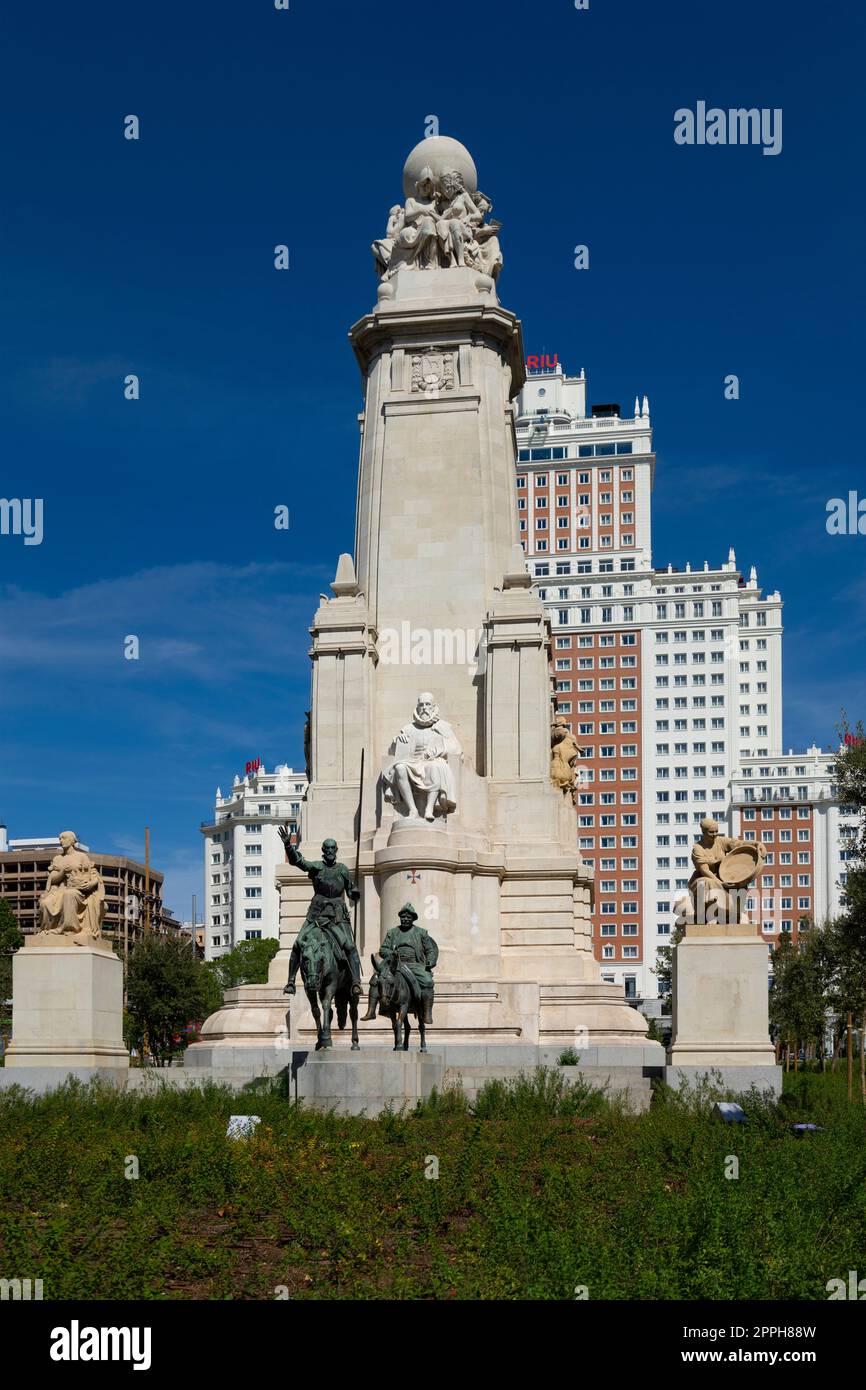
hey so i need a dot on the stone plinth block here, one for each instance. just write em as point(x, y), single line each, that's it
point(354, 1084)
point(720, 1003)
point(379, 1078)
point(725, 1081)
point(67, 1008)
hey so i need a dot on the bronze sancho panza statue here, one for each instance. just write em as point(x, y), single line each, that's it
point(403, 982)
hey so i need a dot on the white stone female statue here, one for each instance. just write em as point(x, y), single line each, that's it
point(383, 248)
point(457, 220)
point(420, 782)
point(489, 250)
point(73, 903)
point(415, 242)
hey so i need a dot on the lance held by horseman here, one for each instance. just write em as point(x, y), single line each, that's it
point(358, 848)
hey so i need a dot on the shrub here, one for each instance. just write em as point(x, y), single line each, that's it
point(545, 1093)
point(451, 1100)
point(542, 1187)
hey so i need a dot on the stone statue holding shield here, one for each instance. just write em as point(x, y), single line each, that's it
point(723, 869)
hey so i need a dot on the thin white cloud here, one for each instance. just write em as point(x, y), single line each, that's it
point(199, 621)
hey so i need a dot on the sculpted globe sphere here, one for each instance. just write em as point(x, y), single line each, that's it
point(439, 153)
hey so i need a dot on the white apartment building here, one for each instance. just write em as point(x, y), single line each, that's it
point(242, 849)
point(789, 804)
point(712, 696)
point(669, 677)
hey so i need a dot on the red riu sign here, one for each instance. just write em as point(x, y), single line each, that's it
point(253, 766)
point(540, 364)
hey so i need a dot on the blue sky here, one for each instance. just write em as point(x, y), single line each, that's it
point(261, 127)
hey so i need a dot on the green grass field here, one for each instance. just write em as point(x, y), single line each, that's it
point(539, 1192)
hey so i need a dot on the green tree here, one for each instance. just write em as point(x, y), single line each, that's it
point(850, 769)
point(850, 774)
point(798, 998)
point(167, 988)
point(845, 947)
point(213, 989)
point(246, 964)
point(848, 940)
point(11, 939)
point(664, 967)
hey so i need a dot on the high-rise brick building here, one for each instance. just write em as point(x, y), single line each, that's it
point(669, 677)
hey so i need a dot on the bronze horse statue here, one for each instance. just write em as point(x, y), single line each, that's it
point(398, 998)
point(327, 980)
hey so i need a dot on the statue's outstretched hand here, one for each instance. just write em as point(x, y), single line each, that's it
point(289, 989)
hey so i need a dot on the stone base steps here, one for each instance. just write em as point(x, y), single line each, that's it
point(376, 1078)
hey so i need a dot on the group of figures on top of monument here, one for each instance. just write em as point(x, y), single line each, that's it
point(420, 782)
point(327, 956)
point(441, 226)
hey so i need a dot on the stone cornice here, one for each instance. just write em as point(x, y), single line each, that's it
point(405, 327)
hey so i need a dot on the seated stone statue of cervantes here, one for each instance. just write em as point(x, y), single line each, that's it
point(420, 782)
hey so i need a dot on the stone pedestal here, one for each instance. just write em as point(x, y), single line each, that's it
point(720, 1009)
point(67, 1007)
point(378, 1078)
point(438, 598)
point(250, 1032)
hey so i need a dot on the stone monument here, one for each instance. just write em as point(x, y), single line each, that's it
point(67, 982)
point(719, 984)
point(460, 813)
